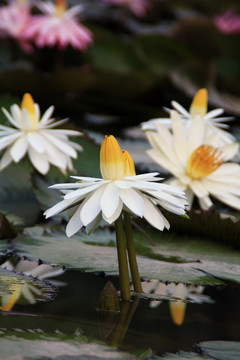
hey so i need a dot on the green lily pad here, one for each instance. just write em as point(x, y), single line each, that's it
point(81, 252)
point(221, 350)
point(33, 346)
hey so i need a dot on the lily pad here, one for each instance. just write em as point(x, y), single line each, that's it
point(57, 347)
point(81, 252)
point(221, 350)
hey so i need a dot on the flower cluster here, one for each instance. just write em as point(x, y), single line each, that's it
point(196, 150)
point(56, 26)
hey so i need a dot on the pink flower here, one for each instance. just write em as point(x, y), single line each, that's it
point(228, 22)
point(138, 7)
point(13, 21)
point(58, 26)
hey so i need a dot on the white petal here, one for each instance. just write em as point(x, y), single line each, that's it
point(19, 148)
point(63, 146)
point(198, 188)
point(180, 109)
point(39, 161)
point(179, 138)
point(213, 114)
point(16, 113)
point(110, 199)
point(92, 207)
point(133, 200)
point(153, 215)
point(59, 207)
point(116, 214)
point(9, 139)
point(229, 151)
point(82, 192)
point(10, 118)
point(6, 159)
point(197, 133)
point(75, 223)
point(205, 202)
point(36, 141)
point(46, 116)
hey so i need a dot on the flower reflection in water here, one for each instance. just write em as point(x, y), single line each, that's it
point(29, 288)
point(183, 294)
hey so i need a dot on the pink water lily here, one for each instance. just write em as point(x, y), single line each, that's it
point(58, 26)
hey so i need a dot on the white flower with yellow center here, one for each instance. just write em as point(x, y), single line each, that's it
point(91, 199)
point(198, 108)
point(196, 161)
point(36, 136)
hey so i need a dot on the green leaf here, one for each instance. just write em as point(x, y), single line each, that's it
point(37, 346)
point(221, 350)
point(81, 252)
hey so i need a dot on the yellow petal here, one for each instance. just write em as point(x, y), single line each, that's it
point(111, 159)
point(60, 6)
point(177, 311)
point(129, 167)
point(28, 104)
point(199, 103)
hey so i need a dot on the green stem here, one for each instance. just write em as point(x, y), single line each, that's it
point(131, 254)
point(122, 259)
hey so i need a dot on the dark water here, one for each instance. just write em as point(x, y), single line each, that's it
point(74, 309)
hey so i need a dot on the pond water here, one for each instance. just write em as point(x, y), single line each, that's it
point(74, 310)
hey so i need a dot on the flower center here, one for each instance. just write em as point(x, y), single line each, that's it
point(199, 103)
point(111, 159)
point(28, 104)
point(203, 161)
point(60, 6)
point(129, 167)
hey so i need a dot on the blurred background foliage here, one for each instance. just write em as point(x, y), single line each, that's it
point(135, 65)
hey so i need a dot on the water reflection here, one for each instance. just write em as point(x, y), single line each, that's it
point(183, 294)
point(23, 283)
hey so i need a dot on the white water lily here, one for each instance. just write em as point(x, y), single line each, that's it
point(90, 199)
point(30, 133)
point(198, 108)
point(199, 165)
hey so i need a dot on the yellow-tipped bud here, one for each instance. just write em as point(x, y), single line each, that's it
point(203, 161)
point(177, 311)
point(111, 159)
point(129, 167)
point(28, 104)
point(199, 103)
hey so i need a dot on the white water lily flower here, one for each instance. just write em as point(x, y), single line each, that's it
point(90, 199)
point(198, 108)
point(30, 133)
point(199, 165)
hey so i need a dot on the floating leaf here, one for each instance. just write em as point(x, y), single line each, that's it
point(81, 252)
point(221, 350)
point(33, 346)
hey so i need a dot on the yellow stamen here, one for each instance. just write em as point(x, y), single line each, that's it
point(199, 103)
point(203, 161)
point(28, 104)
point(11, 299)
point(60, 6)
point(129, 167)
point(111, 159)
point(177, 311)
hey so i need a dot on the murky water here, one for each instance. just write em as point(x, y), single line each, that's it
point(74, 309)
